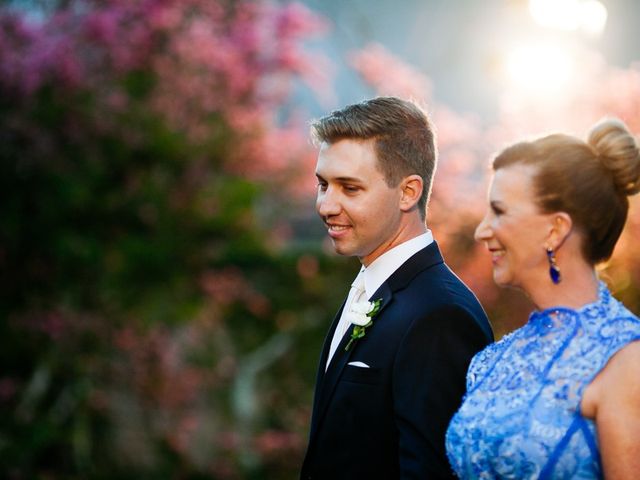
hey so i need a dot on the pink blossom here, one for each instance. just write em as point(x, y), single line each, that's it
point(388, 75)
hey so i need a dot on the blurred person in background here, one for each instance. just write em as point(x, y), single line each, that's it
point(560, 396)
point(392, 368)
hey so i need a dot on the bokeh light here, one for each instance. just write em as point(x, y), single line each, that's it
point(561, 14)
point(589, 16)
point(539, 69)
point(593, 17)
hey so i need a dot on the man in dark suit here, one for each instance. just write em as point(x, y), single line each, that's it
point(392, 370)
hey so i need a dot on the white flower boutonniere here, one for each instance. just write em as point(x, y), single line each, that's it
point(361, 316)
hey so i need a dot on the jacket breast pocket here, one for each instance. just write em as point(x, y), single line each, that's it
point(367, 376)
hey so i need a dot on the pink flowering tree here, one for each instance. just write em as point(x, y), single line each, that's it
point(156, 321)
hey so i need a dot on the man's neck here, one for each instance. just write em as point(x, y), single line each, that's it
point(410, 228)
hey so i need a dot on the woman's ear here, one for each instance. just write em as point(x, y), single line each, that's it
point(411, 187)
point(561, 226)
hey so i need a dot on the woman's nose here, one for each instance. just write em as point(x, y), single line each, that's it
point(483, 230)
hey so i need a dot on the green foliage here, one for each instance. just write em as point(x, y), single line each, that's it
point(153, 326)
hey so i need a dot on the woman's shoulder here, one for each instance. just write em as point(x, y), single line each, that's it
point(613, 341)
point(617, 384)
point(610, 322)
point(624, 365)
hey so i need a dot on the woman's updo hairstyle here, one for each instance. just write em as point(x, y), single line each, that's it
point(617, 149)
point(589, 181)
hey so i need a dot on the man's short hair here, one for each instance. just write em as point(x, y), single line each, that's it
point(403, 135)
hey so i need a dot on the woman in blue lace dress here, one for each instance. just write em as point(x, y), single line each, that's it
point(559, 397)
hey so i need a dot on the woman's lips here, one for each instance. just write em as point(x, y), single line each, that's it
point(496, 254)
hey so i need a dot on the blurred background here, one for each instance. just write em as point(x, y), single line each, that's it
point(165, 283)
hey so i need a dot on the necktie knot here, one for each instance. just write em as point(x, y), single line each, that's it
point(358, 286)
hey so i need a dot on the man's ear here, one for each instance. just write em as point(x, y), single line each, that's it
point(560, 228)
point(411, 187)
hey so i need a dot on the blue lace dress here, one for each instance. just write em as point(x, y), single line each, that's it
point(521, 415)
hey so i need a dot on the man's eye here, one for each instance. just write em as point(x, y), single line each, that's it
point(322, 186)
point(351, 188)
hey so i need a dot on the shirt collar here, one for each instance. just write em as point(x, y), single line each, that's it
point(387, 263)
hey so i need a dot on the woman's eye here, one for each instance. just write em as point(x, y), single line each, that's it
point(497, 210)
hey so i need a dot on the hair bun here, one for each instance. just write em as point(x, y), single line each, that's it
point(618, 150)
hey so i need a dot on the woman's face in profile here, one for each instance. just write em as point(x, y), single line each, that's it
point(514, 230)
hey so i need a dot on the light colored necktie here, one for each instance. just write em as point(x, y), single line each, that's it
point(356, 294)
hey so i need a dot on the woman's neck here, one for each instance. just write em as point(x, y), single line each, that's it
point(578, 287)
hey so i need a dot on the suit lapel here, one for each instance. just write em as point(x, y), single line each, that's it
point(320, 375)
point(421, 260)
point(329, 380)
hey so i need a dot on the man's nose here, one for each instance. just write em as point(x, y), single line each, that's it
point(327, 203)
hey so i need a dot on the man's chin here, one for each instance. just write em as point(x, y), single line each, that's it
point(341, 249)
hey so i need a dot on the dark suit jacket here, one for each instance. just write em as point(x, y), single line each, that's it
point(389, 421)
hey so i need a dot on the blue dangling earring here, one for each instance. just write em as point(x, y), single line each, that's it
point(554, 270)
